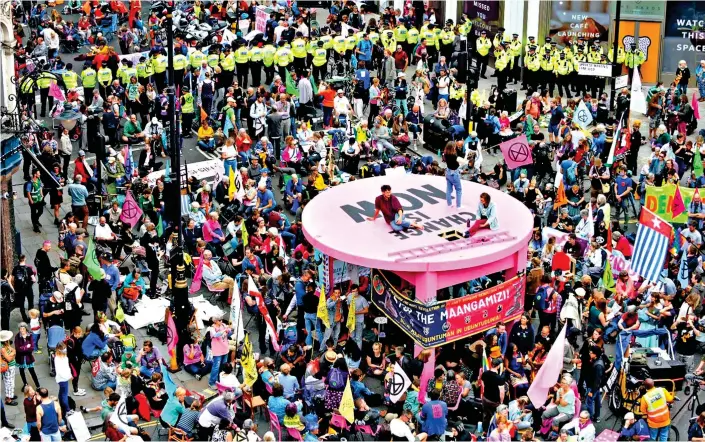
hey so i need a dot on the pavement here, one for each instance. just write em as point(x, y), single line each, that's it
point(31, 242)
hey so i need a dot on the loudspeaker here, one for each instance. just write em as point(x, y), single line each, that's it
point(661, 369)
point(508, 101)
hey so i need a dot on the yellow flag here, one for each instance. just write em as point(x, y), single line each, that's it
point(351, 315)
point(231, 185)
point(247, 359)
point(347, 406)
point(323, 308)
point(245, 235)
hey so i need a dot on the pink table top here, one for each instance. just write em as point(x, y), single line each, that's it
point(335, 222)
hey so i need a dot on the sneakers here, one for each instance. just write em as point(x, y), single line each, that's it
point(79, 392)
point(199, 377)
point(37, 352)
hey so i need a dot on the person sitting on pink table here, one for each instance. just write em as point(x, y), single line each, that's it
point(392, 212)
point(487, 213)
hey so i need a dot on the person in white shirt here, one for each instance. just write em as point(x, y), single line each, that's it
point(584, 228)
point(229, 35)
point(301, 27)
point(228, 379)
point(399, 428)
point(279, 30)
point(582, 427)
point(258, 112)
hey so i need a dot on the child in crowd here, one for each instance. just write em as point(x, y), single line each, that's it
point(35, 327)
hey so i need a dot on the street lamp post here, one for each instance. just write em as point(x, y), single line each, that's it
point(615, 50)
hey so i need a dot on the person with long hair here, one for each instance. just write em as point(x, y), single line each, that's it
point(450, 156)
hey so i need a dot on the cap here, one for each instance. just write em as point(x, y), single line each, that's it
point(81, 153)
point(264, 170)
point(500, 29)
point(548, 39)
point(532, 38)
point(155, 120)
point(247, 424)
point(5, 335)
point(230, 100)
point(340, 91)
point(515, 35)
point(532, 47)
point(483, 32)
point(273, 231)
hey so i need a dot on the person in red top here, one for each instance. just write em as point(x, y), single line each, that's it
point(392, 212)
point(80, 167)
point(328, 93)
point(401, 60)
point(622, 244)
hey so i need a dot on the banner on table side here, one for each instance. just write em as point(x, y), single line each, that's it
point(660, 201)
point(448, 321)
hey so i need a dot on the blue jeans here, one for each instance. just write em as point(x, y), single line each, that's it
point(64, 395)
point(210, 145)
point(357, 333)
point(405, 224)
point(195, 369)
point(659, 434)
point(593, 404)
point(244, 157)
point(148, 372)
point(56, 437)
point(35, 340)
point(310, 324)
point(230, 164)
point(290, 237)
point(401, 104)
point(215, 370)
point(101, 387)
point(327, 115)
point(453, 181)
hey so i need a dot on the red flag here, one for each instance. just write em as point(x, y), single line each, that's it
point(677, 206)
point(254, 292)
point(172, 337)
point(196, 281)
point(608, 244)
point(696, 108)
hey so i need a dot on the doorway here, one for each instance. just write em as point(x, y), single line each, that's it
point(647, 36)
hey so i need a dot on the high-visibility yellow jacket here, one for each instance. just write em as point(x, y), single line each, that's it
point(268, 52)
point(89, 78)
point(298, 48)
point(483, 45)
point(400, 33)
point(283, 56)
point(70, 79)
point(105, 77)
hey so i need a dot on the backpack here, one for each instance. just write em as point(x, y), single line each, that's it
point(336, 379)
point(21, 277)
point(571, 173)
point(542, 298)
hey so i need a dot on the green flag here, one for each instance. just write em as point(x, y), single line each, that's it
point(91, 261)
point(160, 226)
point(698, 164)
point(291, 87)
point(167, 171)
point(608, 278)
point(314, 87)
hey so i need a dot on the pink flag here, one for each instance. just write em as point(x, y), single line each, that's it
point(172, 337)
point(131, 212)
point(56, 92)
point(549, 372)
point(254, 292)
point(516, 152)
point(677, 206)
point(696, 107)
point(196, 281)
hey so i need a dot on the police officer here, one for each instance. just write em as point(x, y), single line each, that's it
point(594, 56)
point(242, 61)
point(256, 56)
point(144, 72)
point(501, 66)
point(482, 48)
point(89, 78)
point(227, 66)
point(548, 78)
point(268, 52)
point(298, 50)
point(514, 50)
point(620, 55)
point(562, 70)
point(527, 49)
point(400, 34)
point(546, 48)
point(28, 88)
point(44, 81)
point(532, 65)
point(339, 47)
point(320, 62)
point(196, 59)
point(311, 46)
point(105, 77)
point(579, 57)
point(431, 44)
point(283, 57)
point(350, 44)
point(180, 65)
point(388, 40)
point(187, 112)
point(159, 65)
point(447, 37)
point(69, 77)
point(412, 39)
point(213, 58)
point(634, 58)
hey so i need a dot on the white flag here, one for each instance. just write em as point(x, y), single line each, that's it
point(591, 221)
point(638, 100)
point(239, 187)
point(398, 383)
point(559, 177)
point(583, 116)
point(236, 314)
point(119, 416)
point(615, 139)
point(219, 174)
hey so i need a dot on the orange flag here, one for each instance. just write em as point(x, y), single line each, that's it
point(608, 244)
point(561, 199)
point(204, 115)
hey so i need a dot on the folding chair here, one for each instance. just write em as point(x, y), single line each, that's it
point(254, 402)
point(274, 425)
